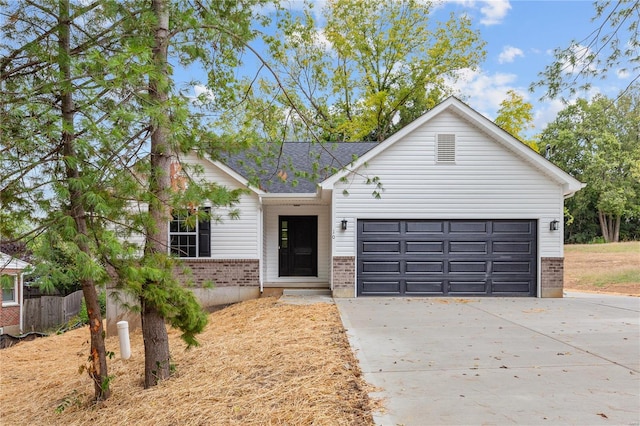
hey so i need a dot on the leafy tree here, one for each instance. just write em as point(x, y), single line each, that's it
point(43, 171)
point(515, 116)
point(613, 45)
point(78, 126)
point(373, 68)
point(598, 142)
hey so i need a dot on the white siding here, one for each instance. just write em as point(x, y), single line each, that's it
point(232, 238)
point(485, 182)
point(271, 243)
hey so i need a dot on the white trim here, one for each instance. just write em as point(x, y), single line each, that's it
point(16, 294)
point(10, 262)
point(234, 175)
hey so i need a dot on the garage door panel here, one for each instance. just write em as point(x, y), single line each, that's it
point(381, 287)
point(378, 227)
point(512, 227)
point(467, 227)
point(425, 287)
point(512, 247)
point(509, 287)
point(424, 227)
point(447, 257)
point(512, 267)
point(479, 247)
point(467, 267)
point(468, 287)
point(431, 247)
point(381, 247)
point(415, 267)
point(381, 267)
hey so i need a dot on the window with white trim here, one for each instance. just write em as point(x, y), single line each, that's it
point(445, 148)
point(190, 236)
point(9, 289)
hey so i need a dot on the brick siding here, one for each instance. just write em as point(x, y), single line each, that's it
point(9, 315)
point(551, 276)
point(222, 273)
point(343, 276)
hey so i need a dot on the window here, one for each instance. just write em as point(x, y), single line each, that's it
point(9, 289)
point(189, 237)
point(446, 148)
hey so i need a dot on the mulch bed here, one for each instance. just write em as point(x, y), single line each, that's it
point(259, 363)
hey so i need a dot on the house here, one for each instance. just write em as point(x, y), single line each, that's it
point(451, 205)
point(11, 310)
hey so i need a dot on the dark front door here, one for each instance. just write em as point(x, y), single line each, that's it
point(298, 246)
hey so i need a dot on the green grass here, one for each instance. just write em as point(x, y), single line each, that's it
point(622, 277)
point(625, 247)
point(603, 266)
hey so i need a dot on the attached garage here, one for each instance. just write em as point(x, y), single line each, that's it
point(447, 257)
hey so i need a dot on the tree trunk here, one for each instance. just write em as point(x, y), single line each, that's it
point(98, 367)
point(154, 331)
point(604, 226)
point(610, 227)
point(156, 346)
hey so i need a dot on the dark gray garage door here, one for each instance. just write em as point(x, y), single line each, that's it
point(447, 257)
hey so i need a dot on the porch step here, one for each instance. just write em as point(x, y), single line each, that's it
point(306, 292)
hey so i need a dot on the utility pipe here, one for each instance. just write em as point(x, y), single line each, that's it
point(123, 337)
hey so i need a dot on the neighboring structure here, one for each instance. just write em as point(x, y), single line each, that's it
point(11, 310)
point(464, 209)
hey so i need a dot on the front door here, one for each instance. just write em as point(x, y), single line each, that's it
point(298, 246)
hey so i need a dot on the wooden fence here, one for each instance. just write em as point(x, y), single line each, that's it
point(47, 312)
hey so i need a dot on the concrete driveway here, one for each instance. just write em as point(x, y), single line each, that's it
point(496, 361)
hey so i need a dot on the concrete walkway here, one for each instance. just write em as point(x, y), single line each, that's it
point(497, 361)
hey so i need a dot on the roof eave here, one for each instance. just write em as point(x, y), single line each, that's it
point(235, 175)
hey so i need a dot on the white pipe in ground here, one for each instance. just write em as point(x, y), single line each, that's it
point(123, 336)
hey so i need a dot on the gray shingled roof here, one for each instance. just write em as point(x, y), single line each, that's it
point(298, 167)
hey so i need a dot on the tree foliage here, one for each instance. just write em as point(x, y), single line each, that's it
point(50, 174)
point(613, 46)
point(374, 67)
point(598, 142)
point(91, 121)
point(515, 116)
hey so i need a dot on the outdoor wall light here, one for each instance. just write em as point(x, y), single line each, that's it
point(344, 224)
point(553, 225)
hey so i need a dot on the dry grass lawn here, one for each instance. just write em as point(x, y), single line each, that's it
point(260, 363)
point(603, 268)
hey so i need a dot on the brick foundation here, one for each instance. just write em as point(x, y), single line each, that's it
point(214, 282)
point(10, 316)
point(222, 273)
point(343, 276)
point(551, 276)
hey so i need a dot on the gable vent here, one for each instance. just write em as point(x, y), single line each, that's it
point(446, 148)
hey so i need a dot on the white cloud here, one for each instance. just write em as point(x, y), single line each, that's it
point(201, 94)
point(322, 41)
point(582, 60)
point(509, 54)
point(546, 112)
point(484, 92)
point(494, 11)
point(622, 74)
